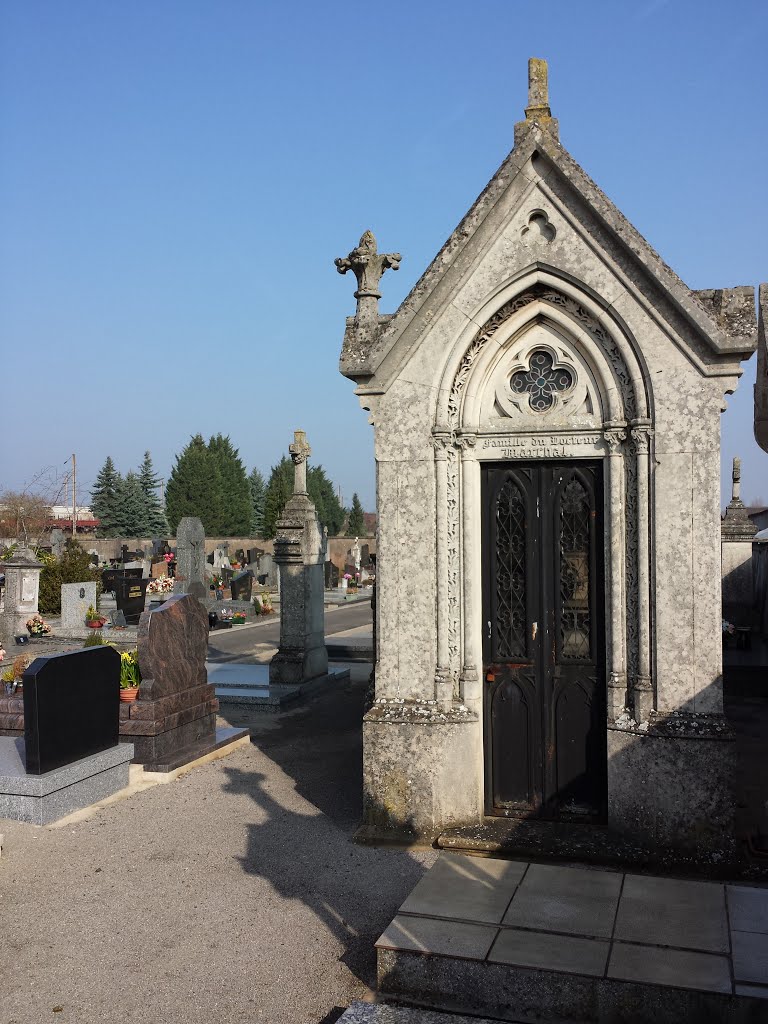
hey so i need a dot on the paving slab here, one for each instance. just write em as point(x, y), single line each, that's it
point(445, 938)
point(550, 952)
point(673, 912)
point(747, 908)
point(476, 888)
point(750, 957)
point(578, 901)
point(680, 968)
point(382, 1013)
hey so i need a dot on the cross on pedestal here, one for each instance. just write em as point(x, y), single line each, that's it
point(299, 452)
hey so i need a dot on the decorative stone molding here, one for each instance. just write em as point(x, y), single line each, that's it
point(538, 229)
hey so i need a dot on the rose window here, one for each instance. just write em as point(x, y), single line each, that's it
point(541, 381)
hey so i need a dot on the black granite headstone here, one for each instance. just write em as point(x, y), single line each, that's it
point(242, 586)
point(71, 707)
point(226, 575)
point(130, 595)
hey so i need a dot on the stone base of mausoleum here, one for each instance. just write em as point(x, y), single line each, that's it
point(422, 769)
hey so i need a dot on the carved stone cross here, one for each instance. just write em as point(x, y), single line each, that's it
point(736, 492)
point(299, 451)
point(368, 266)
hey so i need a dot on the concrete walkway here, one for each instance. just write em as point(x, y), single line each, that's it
point(233, 894)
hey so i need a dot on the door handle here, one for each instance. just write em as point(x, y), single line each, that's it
point(534, 630)
point(489, 629)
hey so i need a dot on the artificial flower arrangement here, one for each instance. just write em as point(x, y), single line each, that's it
point(169, 557)
point(262, 604)
point(37, 626)
point(160, 585)
point(225, 614)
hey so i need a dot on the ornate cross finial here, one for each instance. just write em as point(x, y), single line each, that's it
point(299, 452)
point(368, 266)
point(736, 492)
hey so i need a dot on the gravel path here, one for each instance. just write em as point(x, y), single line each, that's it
point(232, 894)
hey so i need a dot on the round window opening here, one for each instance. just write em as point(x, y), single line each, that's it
point(541, 381)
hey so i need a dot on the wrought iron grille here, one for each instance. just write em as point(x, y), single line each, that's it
point(510, 625)
point(541, 381)
point(575, 623)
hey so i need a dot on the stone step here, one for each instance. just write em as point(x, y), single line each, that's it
point(385, 1013)
point(517, 941)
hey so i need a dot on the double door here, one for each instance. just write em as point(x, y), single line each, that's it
point(543, 647)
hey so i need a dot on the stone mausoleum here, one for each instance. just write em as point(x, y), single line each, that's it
point(546, 408)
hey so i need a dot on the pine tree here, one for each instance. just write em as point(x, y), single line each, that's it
point(279, 489)
point(154, 517)
point(236, 509)
point(330, 511)
point(194, 487)
point(103, 498)
point(130, 508)
point(258, 488)
point(356, 525)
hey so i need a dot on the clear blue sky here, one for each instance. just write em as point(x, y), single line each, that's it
point(177, 177)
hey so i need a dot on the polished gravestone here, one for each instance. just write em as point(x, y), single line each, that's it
point(130, 595)
point(70, 756)
point(173, 721)
point(241, 586)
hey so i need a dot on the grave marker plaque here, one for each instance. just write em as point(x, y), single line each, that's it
point(71, 707)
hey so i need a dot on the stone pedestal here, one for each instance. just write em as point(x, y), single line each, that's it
point(300, 556)
point(22, 585)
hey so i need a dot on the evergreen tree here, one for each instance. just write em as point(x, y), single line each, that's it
point(130, 508)
point(258, 488)
point(103, 498)
point(279, 489)
point(356, 525)
point(235, 507)
point(194, 487)
point(154, 516)
point(330, 511)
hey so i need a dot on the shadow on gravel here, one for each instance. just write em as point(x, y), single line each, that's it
point(305, 852)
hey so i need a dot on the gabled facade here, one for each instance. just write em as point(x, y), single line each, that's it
point(546, 405)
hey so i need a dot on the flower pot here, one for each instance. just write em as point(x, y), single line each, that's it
point(95, 624)
point(129, 693)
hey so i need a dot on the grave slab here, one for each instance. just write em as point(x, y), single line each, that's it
point(244, 683)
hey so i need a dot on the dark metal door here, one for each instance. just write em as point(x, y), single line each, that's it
point(543, 647)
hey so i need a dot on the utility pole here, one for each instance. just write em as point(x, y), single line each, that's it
point(74, 496)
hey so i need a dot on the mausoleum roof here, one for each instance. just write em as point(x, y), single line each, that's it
point(723, 320)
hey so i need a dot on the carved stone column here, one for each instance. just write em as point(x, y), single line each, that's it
point(471, 692)
point(642, 684)
point(617, 671)
point(443, 683)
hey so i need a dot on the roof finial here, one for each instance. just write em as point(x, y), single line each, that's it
point(537, 112)
point(538, 90)
point(736, 476)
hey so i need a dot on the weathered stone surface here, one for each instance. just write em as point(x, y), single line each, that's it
point(544, 259)
point(22, 584)
point(190, 558)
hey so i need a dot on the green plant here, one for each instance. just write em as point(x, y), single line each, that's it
point(8, 676)
point(91, 615)
point(130, 675)
point(74, 566)
point(96, 639)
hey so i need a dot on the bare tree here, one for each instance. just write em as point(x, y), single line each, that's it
point(26, 514)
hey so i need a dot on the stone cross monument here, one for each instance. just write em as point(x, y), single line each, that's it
point(300, 557)
point(190, 558)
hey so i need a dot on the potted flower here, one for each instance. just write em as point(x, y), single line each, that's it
point(93, 619)
point(130, 676)
point(8, 681)
point(238, 618)
point(37, 626)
